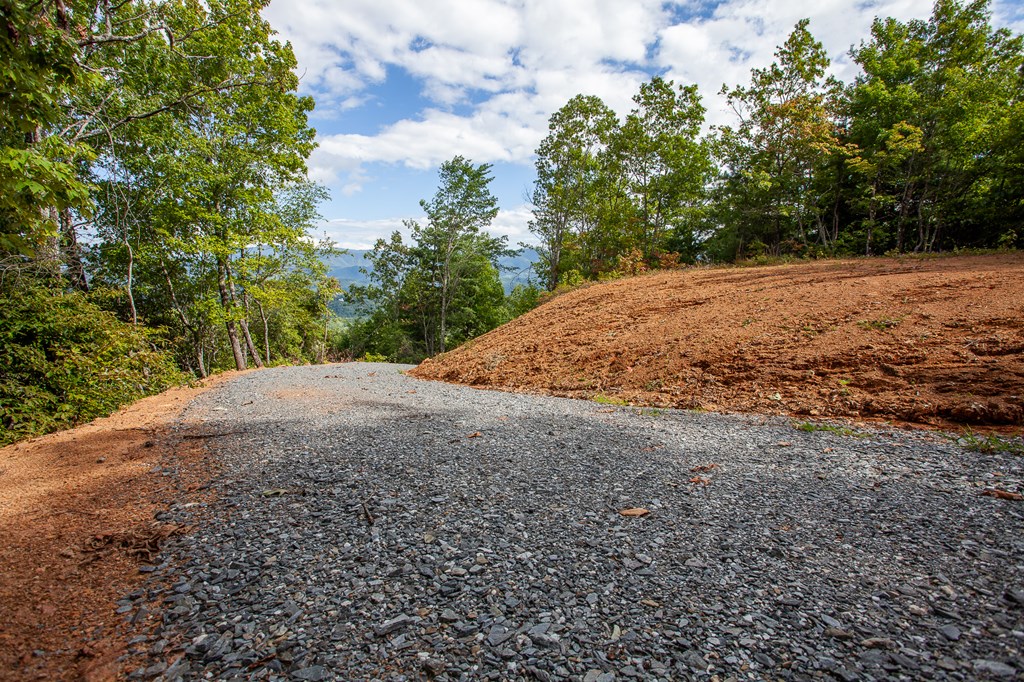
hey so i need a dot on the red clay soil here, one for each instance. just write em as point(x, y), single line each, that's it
point(937, 342)
point(76, 522)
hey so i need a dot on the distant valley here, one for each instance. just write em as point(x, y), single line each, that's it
point(346, 268)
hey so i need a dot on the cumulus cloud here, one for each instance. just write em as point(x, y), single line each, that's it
point(512, 223)
point(360, 234)
point(491, 72)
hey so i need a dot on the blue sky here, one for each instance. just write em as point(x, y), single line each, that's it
point(403, 85)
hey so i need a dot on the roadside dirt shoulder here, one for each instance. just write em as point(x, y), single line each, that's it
point(76, 522)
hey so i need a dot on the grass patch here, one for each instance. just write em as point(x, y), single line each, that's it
point(812, 427)
point(650, 412)
point(880, 325)
point(990, 444)
point(606, 400)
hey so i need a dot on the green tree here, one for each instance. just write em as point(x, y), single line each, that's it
point(786, 135)
point(665, 165)
point(448, 248)
point(935, 117)
point(443, 287)
point(571, 180)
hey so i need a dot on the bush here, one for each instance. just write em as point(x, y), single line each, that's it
point(64, 361)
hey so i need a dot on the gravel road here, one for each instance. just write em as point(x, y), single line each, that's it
point(370, 526)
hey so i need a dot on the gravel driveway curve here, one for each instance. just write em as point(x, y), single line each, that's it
point(370, 526)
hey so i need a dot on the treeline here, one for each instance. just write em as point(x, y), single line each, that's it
point(924, 151)
point(442, 286)
point(154, 203)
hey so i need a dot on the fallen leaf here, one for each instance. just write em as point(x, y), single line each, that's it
point(703, 468)
point(877, 643)
point(278, 492)
point(606, 411)
point(700, 480)
point(475, 434)
point(1003, 495)
point(412, 391)
point(634, 511)
point(372, 374)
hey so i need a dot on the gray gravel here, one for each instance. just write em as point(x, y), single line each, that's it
point(370, 526)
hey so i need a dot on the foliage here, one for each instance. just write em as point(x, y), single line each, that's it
point(64, 361)
point(442, 289)
point(172, 132)
point(988, 444)
point(921, 153)
point(607, 188)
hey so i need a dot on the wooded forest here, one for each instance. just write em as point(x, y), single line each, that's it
point(923, 152)
point(170, 135)
point(156, 213)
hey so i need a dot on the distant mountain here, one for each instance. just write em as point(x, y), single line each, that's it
point(345, 268)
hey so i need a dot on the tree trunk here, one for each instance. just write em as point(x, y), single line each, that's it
point(244, 324)
point(72, 252)
point(131, 295)
point(266, 331)
point(200, 359)
point(225, 301)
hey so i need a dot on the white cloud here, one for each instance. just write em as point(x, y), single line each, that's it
point(493, 71)
point(360, 234)
point(744, 34)
point(514, 224)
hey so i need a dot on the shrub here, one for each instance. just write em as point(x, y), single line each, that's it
point(64, 361)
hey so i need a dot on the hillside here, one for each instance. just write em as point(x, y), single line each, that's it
point(930, 341)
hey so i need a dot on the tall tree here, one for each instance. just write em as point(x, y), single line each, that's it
point(457, 216)
point(571, 169)
point(664, 163)
point(787, 133)
point(933, 117)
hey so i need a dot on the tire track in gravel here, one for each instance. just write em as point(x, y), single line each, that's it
point(373, 526)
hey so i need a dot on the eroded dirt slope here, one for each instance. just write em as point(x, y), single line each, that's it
point(929, 341)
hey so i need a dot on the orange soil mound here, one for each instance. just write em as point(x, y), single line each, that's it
point(928, 341)
point(76, 521)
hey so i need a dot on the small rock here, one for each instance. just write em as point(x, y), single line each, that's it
point(314, 673)
point(996, 668)
point(392, 625)
point(499, 635)
point(434, 666)
point(838, 633)
point(950, 632)
point(830, 622)
point(696, 662)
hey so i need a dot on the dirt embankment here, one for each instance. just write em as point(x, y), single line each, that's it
point(927, 341)
point(76, 522)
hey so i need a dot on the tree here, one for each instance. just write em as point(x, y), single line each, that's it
point(786, 136)
point(933, 119)
point(664, 163)
point(39, 71)
point(448, 248)
point(443, 287)
point(571, 176)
